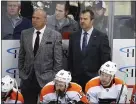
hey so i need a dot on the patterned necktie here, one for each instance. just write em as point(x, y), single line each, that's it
point(36, 45)
point(84, 44)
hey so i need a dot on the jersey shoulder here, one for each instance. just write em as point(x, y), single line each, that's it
point(92, 83)
point(74, 87)
point(16, 93)
point(48, 88)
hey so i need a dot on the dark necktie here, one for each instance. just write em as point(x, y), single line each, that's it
point(84, 44)
point(36, 45)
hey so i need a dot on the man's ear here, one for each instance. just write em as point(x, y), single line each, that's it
point(19, 10)
point(66, 13)
point(92, 20)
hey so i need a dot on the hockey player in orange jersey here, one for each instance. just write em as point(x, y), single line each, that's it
point(10, 94)
point(62, 91)
point(106, 88)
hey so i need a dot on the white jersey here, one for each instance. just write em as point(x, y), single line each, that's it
point(95, 91)
point(73, 93)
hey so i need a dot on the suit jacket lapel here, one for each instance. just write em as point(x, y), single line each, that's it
point(29, 40)
point(91, 41)
point(78, 48)
point(44, 39)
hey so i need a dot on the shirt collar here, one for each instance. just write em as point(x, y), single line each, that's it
point(42, 30)
point(89, 31)
point(14, 17)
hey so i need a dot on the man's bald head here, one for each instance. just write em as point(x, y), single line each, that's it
point(39, 18)
point(40, 11)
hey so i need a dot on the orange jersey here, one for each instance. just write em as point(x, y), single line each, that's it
point(12, 98)
point(95, 91)
point(73, 93)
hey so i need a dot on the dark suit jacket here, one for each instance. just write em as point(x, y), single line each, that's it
point(97, 53)
point(48, 59)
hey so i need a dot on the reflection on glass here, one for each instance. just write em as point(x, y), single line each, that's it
point(100, 22)
point(124, 22)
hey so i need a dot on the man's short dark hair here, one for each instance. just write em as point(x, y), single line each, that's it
point(89, 11)
point(66, 3)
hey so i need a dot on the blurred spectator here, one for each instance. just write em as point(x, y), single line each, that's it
point(100, 21)
point(60, 21)
point(127, 29)
point(124, 26)
point(12, 22)
point(64, 24)
point(50, 6)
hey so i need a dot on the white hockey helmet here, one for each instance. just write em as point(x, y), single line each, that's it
point(7, 83)
point(64, 76)
point(109, 68)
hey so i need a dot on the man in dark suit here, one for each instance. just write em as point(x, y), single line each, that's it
point(40, 56)
point(88, 50)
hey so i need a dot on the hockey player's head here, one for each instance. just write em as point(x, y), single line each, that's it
point(107, 73)
point(7, 85)
point(62, 81)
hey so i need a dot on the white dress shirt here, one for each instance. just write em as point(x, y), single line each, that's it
point(40, 35)
point(88, 36)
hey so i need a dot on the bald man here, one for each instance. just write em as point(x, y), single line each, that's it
point(40, 56)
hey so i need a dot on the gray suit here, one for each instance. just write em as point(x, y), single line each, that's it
point(48, 59)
